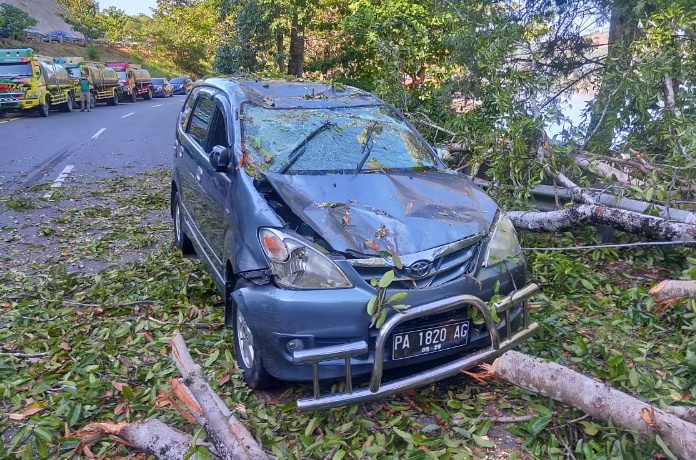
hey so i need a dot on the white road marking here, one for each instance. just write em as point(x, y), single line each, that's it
point(98, 133)
point(60, 179)
point(128, 115)
point(157, 105)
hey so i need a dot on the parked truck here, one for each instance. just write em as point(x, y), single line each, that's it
point(31, 82)
point(103, 80)
point(134, 80)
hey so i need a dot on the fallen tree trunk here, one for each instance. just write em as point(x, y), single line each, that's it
point(674, 289)
point(597, 400)
point(591, 214)
point(231, 439)
point(150, 436)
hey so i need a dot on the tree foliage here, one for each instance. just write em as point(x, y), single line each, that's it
point(15, 20)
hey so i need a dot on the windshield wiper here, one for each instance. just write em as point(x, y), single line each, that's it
point(300, 148)
point(366, 149)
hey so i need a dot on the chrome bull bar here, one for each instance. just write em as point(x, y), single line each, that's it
point(377, 389)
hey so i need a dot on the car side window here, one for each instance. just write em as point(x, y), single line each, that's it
point(187, 109)
point(200, 119)
point(218, 131)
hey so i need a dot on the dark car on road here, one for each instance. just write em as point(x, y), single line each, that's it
point(341, 244)
point(162, 88)
point(59, 36)
point(181, 85)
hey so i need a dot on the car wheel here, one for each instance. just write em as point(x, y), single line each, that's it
point(133, 96)
point(68, 107)
point(43, 108)
point(181, 239)
point(92, 101)
point(247, 352)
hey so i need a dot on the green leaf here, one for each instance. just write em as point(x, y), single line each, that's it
point(381, 318)
point(127, 392)
point(398, 297)
point(372, 306)
point(397, 261)
point(539, 424)
point(212, 358)
point(403, 435)
point(664, 448)
point(387, 279)
point(587, 284)
point(311, 426)
point(633, 377)
point(482, 442)
point(590, 428)
point(43, 433)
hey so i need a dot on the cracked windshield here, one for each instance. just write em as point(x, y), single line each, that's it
point(306, 140)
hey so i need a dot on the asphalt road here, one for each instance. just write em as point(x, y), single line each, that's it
point(122, 140)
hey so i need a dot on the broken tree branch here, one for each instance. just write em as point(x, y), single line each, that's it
point(150, 436)
point(605, 170)
point(596, 399)
point(588, 214)
point(229, 436)
point(674, 289)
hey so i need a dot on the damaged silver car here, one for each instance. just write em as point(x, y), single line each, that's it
point(314, 208)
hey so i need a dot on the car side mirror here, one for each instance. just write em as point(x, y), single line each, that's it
point(220, 158)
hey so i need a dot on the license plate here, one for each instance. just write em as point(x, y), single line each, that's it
point(429, 340)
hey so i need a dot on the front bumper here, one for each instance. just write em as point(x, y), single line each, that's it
point(18, 103)
point(377, 388)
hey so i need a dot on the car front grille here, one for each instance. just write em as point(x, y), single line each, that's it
point(443, 269)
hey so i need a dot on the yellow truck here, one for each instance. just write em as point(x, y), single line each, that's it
point(31, 82)
point(103, 80)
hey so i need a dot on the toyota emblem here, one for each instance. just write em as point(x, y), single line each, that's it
point(419, 269)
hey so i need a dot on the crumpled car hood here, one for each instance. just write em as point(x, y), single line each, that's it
point(402, 213)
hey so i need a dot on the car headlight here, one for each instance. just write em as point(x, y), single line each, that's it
point(504, 243)
point(298, 266)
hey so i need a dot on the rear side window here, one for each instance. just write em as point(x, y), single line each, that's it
point(188, 108)
point(200, 120)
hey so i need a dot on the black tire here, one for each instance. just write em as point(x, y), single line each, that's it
point(181, 239)
point(133, 96)
point(43, 108)
point(113, 100)
point(68, 106)
point(248, 355)
point(92, 101)
point(148, 96)
point(3, 114)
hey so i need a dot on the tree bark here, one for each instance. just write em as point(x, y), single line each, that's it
point(605, 170)
point(674, 289)
point(280, 45)
point(296, 47)
point(231, 439)
point(590, 214)
point(597, 400)
point(150, 436)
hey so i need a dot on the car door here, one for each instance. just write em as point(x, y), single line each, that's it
point(193, 136)
point(215, 211)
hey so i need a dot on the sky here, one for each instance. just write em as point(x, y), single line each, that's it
point(131, 7)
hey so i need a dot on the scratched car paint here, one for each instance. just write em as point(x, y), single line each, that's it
point(299, 197)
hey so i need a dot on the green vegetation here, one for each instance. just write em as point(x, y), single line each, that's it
point(88, 314)
point(14, 20)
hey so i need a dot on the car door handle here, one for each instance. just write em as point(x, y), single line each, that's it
point(199, 173)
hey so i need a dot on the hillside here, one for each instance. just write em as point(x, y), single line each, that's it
point(57, 49)
point(44, 11)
